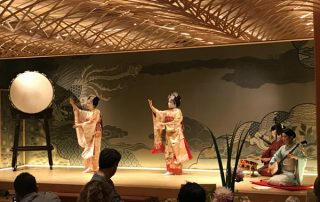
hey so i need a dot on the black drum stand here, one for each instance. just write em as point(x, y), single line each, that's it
point(19, 116)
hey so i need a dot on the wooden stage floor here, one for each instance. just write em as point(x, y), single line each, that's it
point(142, 182)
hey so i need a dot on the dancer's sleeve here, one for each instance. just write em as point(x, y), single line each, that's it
point(158, 127)
point(88, 124)
point(93, 119)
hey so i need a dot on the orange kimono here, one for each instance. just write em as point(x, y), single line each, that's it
point(176, 148)
point(89, 136)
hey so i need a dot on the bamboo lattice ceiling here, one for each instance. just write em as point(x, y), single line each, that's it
point(64, 27)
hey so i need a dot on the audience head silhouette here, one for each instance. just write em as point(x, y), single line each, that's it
point(109, 158)
point(26, 189)
point(191, 192)
point(24, 184)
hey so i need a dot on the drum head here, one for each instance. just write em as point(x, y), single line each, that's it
point(31, 92)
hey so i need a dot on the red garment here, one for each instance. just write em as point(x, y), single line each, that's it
point(289, 188)
point(275, 145)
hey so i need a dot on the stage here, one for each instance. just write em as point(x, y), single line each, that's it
point(143, 184)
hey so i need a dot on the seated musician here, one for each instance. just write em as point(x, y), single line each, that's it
point(276, 130)
point(292, 163)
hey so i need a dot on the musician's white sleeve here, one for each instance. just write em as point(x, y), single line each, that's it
point(300, 166)
point(278, 155)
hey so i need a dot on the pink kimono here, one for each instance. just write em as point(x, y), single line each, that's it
point(89, 136)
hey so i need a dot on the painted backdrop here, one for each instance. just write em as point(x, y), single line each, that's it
point(220, 88)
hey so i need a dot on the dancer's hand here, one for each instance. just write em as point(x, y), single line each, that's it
point(71, 100)
point(150, 102)
point(76, 125)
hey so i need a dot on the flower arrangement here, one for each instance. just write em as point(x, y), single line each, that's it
point(222, 194)
point(239, 175)
point(231, 174)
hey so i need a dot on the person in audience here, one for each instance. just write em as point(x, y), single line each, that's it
point(88, 127)
point(176, 149)
point(191, 192)
point(96, 191)
point(276, 130)
point(291, 164)
point(108, 164)
point(26, 190)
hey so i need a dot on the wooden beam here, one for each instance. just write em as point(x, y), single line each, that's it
point(316, 23)
point(1, 164)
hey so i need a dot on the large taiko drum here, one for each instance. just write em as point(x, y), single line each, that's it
point(31, 92)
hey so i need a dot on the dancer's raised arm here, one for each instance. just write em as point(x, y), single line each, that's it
point(154, 110)
point(73, 104)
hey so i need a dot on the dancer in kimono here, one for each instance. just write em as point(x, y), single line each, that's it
point(88, 127)
point(292, 167)
point(276, 130)
point(176, 149)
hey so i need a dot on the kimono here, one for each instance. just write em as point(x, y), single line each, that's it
point(275, 145)
point(176, 149)
point(89, 136)
point(291, 170)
